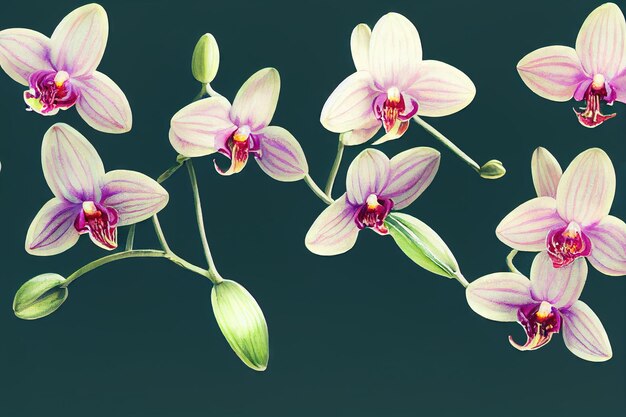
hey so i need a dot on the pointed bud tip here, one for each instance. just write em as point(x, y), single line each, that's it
point(492, 170)
point(39, 297)
point(205, 60)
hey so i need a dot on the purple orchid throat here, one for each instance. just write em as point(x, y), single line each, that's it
point(50, 91)
point(565, 244)
point(392, 108)
point(598, 91)
point(540, 321)
point(87, 200)
point(373, 213)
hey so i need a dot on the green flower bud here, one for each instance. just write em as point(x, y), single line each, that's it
point(39, 297)
point(206, 59)
point(422, 245)
point(492, 170)
point(242, 322)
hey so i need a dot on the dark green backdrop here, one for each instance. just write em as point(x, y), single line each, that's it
point(364, 334)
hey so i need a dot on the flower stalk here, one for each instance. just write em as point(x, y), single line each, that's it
point(335, 168)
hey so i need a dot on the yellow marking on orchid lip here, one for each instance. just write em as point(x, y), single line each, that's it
point(61, 78)
point(34, 103)
point(372, 202)
point(598, 82)
point(393, 95)
point(241, 134)
point(544, 311)
point(90, 208)
point(572, 231)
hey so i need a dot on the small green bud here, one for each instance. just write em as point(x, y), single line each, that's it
point(39, 297)
point(242, 322)
point(492, 170)
point(206, 59)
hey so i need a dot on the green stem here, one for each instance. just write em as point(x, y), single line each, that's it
point(335, 168)
point(200, 220)
point(317, 190)
point(130, 239)
point(509, 262)
point(459, 277)
point(211, 92)
point(160, 234)
point(203, 91)
point(448, 143)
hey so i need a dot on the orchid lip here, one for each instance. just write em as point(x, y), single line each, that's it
point(100, 222)
point(372, 214)
point(566, 244)
point(392, 110)
point(540, 321)
point(49, 92)
point(238, 148)
point(597, 92)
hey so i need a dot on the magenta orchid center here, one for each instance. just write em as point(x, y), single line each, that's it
point(566, 244)
point(392, 110)
point(100, 222)
point(592, 116)
point(50, 91)
point(372, 214)
point(540, 321)
point(238, 148)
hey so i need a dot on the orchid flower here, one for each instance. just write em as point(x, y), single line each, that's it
point(86, 199)
point(543, 305)
point(60, 71)
point(214, 125)
point(594, 72)
point(392, 84)
point(374, 186)
point(570, 218)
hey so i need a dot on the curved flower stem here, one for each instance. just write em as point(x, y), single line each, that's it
point(459, 277)
point(317, 190)
point(210, 91)
point(509, 262)
point(335, 168)
point(130, 238)
point(203, 91)
point(448, 143)
point(199, 218)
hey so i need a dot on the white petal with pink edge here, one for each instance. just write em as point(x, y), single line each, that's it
point(334, 231)
point(499, 296)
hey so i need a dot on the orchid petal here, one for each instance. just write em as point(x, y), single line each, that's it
point(23, 52)
point(202, 127)
point(334, 231)
point(546, 173)
point(608, 240)
point(280, 155)
point(527, 226)
point(349, 107)
point(134, 195)
point(499, 296)
point(78, 42)
point(584, 334)
point(395, 52)
point(601, 42)
point(561, 287)
point(256, 100)
point(441, 89)
point(586, 190)
point(71, 165)
point(412, 171)
point(52, 230)
point(367, 174)
point(360, 136)
point(552, 72)
point(103, 105)
point(360, 46)
point(619, 85)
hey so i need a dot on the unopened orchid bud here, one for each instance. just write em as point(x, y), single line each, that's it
point(492, 170)
point(242, 322)
point(39, 296)
point(206, 59)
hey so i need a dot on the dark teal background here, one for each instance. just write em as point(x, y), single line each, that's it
point(364, 334)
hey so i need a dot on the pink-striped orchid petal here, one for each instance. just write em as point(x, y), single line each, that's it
point(52, 230)
point(441, 89)
point(395, 52)
point(412, 171)
point(23, 52)
point(619, 85)
point(256, 100)
point(546, 172)
point(552, 72)
point(367, 174)
point(587, 187)
point(601, 42)
point(360, 136)
point(499, 296)
point(349, 107)
point(202, 127)
point(561, 287)
point(334, 232)
point(71, 165)
point(280, 155)
point(527, 226)
point(135, 196)
point(360, 46)
point(584, 334)
point(78, 42)
point(103, 105)
point(608, 240)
